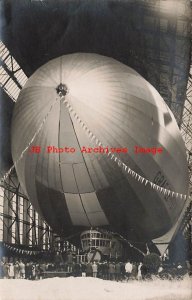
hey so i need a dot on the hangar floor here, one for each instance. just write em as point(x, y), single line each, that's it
point(83, 288)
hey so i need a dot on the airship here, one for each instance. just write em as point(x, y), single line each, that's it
point(74, 190)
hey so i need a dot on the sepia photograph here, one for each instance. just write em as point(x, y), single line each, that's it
point(95, 150)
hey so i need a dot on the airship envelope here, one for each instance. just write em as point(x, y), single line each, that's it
point(74, 189)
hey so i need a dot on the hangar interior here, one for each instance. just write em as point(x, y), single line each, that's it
point(157, 46)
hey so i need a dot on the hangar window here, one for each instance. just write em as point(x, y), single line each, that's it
point(12, 77)
point(21, 209)
point(44, 235)
point(21, 232)
point(13, 238)
point(36, 232)
point(36, 219)
point(14, 204)
point(1, 200)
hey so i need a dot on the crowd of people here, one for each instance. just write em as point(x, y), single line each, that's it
point(107, 270)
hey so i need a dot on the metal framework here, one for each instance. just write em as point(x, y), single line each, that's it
point(186, 126)
point(12, 77)
point(19, 223)
point(187, 224)
point(164, 56)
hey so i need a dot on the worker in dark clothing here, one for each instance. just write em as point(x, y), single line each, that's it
point(89, 270)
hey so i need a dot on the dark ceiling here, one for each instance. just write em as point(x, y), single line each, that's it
point(139, 33)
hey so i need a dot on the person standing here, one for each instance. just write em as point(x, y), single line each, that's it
point(122, 270)
point(42, 269)
point(111, 271)
point(105, 269)
point(37, 271)
point(134, 271)
point(33, 271)
point(17, 270)
point(1, 269)
point(118, 271)
point(139, 275)
point(22, 269)
point(77, 270)
point(89, 270)
point(144, 271)
point(27, 270)
point(94, 267)
point(128, 269)
point(83, 269)
point(11, 270)
point(5, 270)
point(70, 262)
